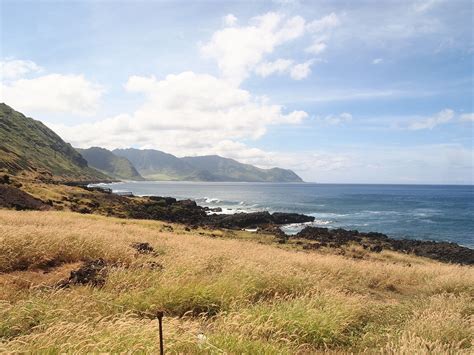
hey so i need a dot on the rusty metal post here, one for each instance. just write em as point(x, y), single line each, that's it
point(159, 315)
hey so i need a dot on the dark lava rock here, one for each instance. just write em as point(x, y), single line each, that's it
point(90, 273)
point(288, 218)
point(170, 210)
point(443, 251)
point(376, 249)
point(256, 219)
point(376, 242)
point(212, 209)
point(11, 197)
point(241, 220)
point(168, 228)
point(188, 212)
point(142, 248)
point(332, 237)
point(83, 210)
point(153, 265)
point(165, 201)
point(5, 179)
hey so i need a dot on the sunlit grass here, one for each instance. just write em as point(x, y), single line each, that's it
point(245, 295)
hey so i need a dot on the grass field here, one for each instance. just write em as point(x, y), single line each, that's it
point(221, 292)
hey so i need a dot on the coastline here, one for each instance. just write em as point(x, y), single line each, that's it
point(432, 213)
point(93, 199)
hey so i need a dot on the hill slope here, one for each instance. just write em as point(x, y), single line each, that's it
point(157, 165)
point(28, 145)
point(109, 163)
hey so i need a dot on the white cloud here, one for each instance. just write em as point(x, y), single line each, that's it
point(316, 47)
point(52, 93)
point(441, 117)
point(183, 113)
point(301, 71)
point(324, 24)
point(377, 61)
point(338, 119)
point(467, 117)
point(239, 49)
point(230, 20)
point(15, 68)
point(321, 28)
point(278, 66)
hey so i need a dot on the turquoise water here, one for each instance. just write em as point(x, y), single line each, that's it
point(413, 211)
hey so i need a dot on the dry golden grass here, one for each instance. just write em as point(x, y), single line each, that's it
point(245, 295)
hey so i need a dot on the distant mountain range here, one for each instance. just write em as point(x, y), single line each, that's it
point(28, 145)
point(157, 165)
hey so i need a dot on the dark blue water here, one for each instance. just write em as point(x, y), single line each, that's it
point(414, 211)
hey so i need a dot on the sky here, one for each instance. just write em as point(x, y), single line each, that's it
point(338, 91)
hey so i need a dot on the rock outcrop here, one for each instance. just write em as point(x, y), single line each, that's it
point(376, 242)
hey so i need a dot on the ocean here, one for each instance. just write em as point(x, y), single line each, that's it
point(427, 212)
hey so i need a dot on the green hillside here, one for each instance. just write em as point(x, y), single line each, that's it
point(28, 145)
point(157, 165)
point(109, 163)
point(224, 169)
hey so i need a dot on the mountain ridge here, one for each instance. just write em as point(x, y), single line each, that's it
point(157, 165)
point(29, 145)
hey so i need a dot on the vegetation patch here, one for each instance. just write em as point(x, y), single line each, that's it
point(228, 293)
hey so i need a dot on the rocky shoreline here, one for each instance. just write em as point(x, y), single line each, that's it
point(189, 213)
point(85, 199)
point(376, 242)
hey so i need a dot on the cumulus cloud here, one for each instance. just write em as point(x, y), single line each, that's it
point(16, 68)
point(318, 47)
point(441, 117)
point(184, 113)
point(229, 20)
point(52, 93)
point(239, 49)
point(301, 71)
point(278, 66)
point(377, 61)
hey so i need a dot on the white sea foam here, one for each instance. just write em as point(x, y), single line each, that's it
point(211, 200)
point(294, 228)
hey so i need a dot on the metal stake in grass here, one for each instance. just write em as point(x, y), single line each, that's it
point(159, 315)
